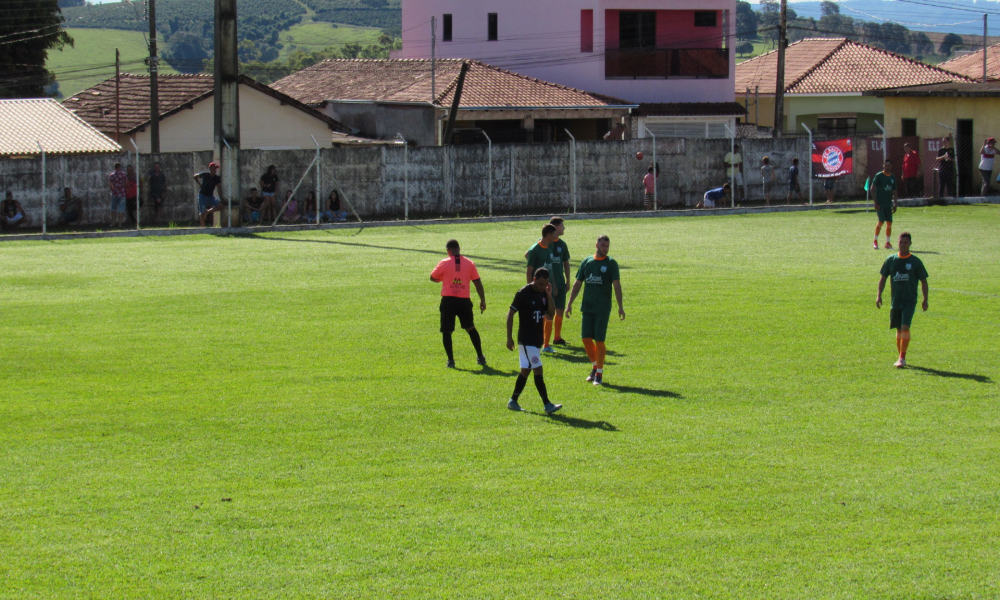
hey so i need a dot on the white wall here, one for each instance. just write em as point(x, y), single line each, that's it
point(542, 40)
point(264, 123)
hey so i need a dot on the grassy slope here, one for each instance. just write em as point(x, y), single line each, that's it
point(313, 36)
point(754, 441)
point(92, 60)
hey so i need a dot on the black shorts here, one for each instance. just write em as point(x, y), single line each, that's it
point(452, 307)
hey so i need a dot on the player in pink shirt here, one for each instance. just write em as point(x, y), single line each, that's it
point(455, 274)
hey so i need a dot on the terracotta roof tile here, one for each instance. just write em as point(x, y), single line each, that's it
point(832, 66)
point(971, 65)
point(26, 123)
point(409, 80)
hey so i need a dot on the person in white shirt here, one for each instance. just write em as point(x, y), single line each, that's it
point(987, 155)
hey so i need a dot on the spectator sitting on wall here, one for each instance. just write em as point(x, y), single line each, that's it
point(11, 213)
point(734, 170)
point(269, 191)
point(333, 211)
point(131, 193)
point(712, 197)
point(251, 207)
point(309, 208)
point(156, 183)
point(207, 182)
point(70, 208)
point(911, 172)
point(291, 212)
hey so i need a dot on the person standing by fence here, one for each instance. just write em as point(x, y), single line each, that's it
point(911, 172)
point(207, 182)
point(767, 175)
point(946, 169)
point(987, 154)
point(117, 184)
point(734, 171)
point(156, 187)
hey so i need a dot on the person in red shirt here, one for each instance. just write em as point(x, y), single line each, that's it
point(911, 172)
point(455, 274)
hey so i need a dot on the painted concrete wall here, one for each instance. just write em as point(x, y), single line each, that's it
point(542, 40)
point(805, 109)
point(264, 123)
point(434, 181)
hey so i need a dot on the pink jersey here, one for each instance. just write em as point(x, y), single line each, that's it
point(456, 280)
point(650, 181)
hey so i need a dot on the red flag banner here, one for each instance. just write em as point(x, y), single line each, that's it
point(832, 159)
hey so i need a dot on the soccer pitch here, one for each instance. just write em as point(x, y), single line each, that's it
point(270, 417)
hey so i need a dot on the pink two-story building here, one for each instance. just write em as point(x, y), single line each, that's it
point(669, 54)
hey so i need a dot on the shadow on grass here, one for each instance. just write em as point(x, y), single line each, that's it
point(850, 211)
point(488, 370)
point(576, 422)
point(952, 374)
point(628, 389)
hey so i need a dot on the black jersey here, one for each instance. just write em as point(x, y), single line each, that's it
point(531, 306)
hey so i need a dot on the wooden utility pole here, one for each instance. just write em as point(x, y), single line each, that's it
point(227, 96)
point(154, 96)
point(118, 96)
point(779, 88)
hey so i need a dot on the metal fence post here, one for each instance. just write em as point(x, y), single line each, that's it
point(406, 177)
point(572, 172)
point(44, 202)
point(229, 180)
point(489, 179)
point(319, 180)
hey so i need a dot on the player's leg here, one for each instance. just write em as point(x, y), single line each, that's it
point(560, 299)
point(547, 335)
point(906, 319)
point(600, 334)
point(888, 228)
point(447, 327)
point(878, 227)
point(587, 332)
point(522, 379)
point(465, 317)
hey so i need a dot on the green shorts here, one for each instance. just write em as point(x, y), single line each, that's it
point(902, 316)
point(884, 213)
point(559, 297)
point(594, 326)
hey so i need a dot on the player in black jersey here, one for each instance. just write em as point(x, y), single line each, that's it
point(533, 304)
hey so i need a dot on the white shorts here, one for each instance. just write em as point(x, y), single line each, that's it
point(531, 356)
point(709, 203)
point(738, 178)
point(15, 219)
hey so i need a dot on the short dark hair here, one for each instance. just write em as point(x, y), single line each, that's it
point(557, 221)
point(451, 245)
point(118, 165)
point(906, 234)
point(795, 161)
point(603, 238)
point(767, 159)
point(650, 169)
point(541, 273)
point(547, 229)
point(727, 186)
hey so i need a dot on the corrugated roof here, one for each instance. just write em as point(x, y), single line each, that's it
point(836, 66)
point(174, 93)
point(409, 80)
point(971, 65)
point(25, 123)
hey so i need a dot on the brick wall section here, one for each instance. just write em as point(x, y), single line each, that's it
point(441, 182)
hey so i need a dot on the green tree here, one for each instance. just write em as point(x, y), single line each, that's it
point(187, 52)
point(770, 18)
point(744, 49)
point(28, 30)
point(950, 43)
point(922, 45)
point(838, 25)
point(828, 8)
point(746, 21)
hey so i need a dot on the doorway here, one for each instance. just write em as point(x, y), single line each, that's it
point(964, 156)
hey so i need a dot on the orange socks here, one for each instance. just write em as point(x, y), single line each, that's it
point(601, 351)
point(557, 326)
point(547, 329)
point(904, 342)
point(588, 345)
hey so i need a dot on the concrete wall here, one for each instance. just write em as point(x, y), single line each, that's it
point(436, 181)
point(805, 109)
point(542, 40)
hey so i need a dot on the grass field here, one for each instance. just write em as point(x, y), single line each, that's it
point(312, 36)
point(270, 417)
point(92, 59)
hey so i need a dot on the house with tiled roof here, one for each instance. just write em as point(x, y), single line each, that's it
point(268, 119)
point(825, 81)
point(971, 64)
point(30, 126)
point(412, 97)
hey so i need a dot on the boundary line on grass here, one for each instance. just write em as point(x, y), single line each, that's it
point(239, 231)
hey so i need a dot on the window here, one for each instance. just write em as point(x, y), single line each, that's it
point(587, 30)
point(909, 127)
point(492, 26)
point(837, 126)
point(637, 29)
point(705, 18)
point(446, 23)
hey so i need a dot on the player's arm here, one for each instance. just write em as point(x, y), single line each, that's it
point(881, 287)
point(550, 306)
point(566, 270)
point(924, 288)
point(482, 295)
point(510, 329)
point(572, 297)
point(618, 296)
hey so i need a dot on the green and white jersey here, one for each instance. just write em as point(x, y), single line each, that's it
point(550, 257)
point(904, 275)
point(597, 275)
point(884, 185)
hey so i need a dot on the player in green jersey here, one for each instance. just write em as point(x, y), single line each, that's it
point(904, 271)
point(551, 253)
point(599, 273)
point(885, 186)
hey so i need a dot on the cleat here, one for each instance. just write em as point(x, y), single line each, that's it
point(560, 342)
point(593, 374)
point(598, 380)
point(548, 350)
point(900, 363)
point(481, 361)
point(451, 364)
point(551, 408)
point(888, 246)
point(876, 244)
point(514, 406)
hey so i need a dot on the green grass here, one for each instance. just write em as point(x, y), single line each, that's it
point(92, 59)
point(313, 36)
point(270, 417)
